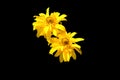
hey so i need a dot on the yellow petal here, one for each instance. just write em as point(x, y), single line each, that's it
point(61, 58)
point(79, 51)
point(33, 27)
point(61, 33)
point(66, 56)
point(62, 17)
point(53, 40)
point(54, 32)
point(52, 50)
point(47, 35)
point(38, 34)
point(61, 48)
point(59, 26)
point(73, 34)
point(57, 53)
point(41, 14)
point(36, 24)
point(69, 33)
point(39, 31)
point(46, 29)
point(54, 44)
point(47, 12)
point(57, 14)
point(40, 18)
point(77, 39)
point(73, 54)
point(76, 45)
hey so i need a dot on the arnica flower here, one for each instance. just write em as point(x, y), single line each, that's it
point(65, 45)
point(47, 25)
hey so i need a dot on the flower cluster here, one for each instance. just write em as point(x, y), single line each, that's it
point(62, 44)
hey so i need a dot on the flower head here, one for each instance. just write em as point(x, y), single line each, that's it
point(46, 24)
point(65, 45)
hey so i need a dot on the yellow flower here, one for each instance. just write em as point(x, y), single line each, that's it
point(46, 24)
point(65, 45)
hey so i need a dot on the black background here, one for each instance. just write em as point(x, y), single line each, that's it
point(92, 20)
point(83, 17)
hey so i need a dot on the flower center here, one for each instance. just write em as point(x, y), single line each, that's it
point(65, 41)
point(50, 20)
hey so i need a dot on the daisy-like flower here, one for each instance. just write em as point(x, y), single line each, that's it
point(65, 45)
point(46, 25)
